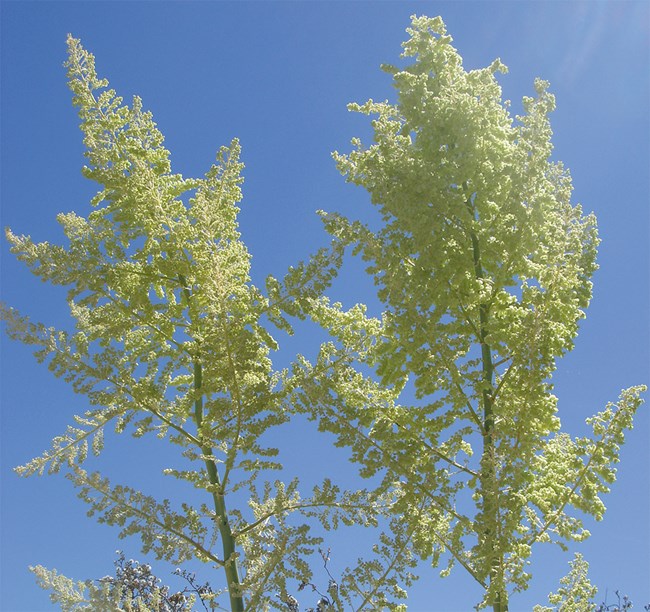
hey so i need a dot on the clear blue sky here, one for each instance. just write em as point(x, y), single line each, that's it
point(278, 75)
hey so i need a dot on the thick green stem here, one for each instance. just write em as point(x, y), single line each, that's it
point(228, 542)
point(489, 485)
point(221, 515)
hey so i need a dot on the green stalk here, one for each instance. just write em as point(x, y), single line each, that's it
point(489, 488)
point(227, 539)
point(228, 542)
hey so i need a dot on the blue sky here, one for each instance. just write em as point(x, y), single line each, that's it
point(278, 76)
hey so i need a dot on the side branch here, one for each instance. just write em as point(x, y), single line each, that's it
point(81, 477)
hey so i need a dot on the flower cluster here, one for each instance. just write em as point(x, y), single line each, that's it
point(136, 582)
